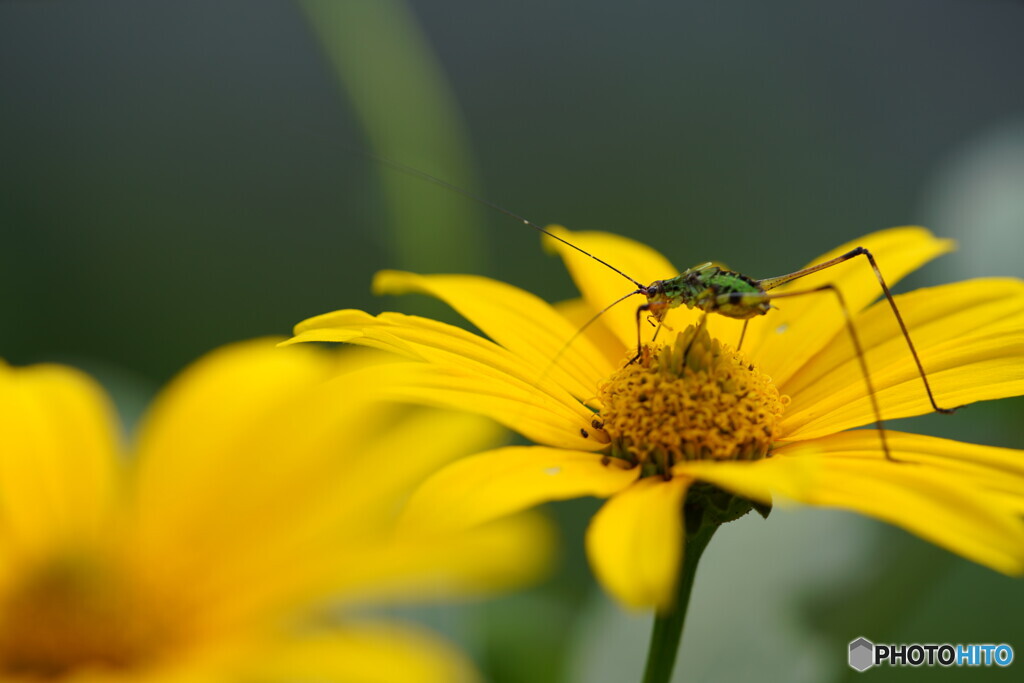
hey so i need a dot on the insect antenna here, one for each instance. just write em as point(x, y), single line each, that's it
point(423, 175)
point(583, 328)
point(394, 165)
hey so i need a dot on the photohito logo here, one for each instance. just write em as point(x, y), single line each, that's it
point(864, 654)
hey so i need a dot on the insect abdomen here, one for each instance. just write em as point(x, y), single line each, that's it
point(733, 295)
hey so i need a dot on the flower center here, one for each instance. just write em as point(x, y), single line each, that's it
point(71, 615)
point(692, 399)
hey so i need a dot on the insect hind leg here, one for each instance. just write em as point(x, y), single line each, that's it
point(772, 282)
point(906, 333)
point(859, 349)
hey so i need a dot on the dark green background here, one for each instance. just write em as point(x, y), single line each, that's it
point(174, 176)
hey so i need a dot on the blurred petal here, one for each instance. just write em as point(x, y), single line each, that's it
point(499, 482)
point(58, 459)
point(969, 336)
point(363, 652)
point(600, 285)
point(256, 439)
point(224, 408)
point(341, 507)
point(409, 458)
point(635, 542)
point(424, 564)
point(427, 566)
point(782, 341)
point(521, 322)
point(267, 491)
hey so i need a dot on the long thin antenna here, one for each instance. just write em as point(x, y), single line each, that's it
point(579, 332)
point(454, 188)
point(593, 319)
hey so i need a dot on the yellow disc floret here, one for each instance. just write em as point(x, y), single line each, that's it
point(692, 399)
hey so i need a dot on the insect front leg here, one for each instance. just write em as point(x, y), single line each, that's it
point(659, 324)
point(743, 333)
point(696, 331)
point(656, 317)
point(640, 310)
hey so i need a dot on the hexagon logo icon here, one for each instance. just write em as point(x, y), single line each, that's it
point(862, 654)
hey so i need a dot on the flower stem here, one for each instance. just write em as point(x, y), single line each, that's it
point(668, 627)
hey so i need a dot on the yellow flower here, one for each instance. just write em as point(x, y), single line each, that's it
point(257, 505)
point(776, 418)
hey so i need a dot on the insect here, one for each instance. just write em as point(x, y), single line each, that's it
point(713, 289)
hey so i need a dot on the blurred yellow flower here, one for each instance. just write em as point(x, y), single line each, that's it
point(776, 418)
point(256, 507)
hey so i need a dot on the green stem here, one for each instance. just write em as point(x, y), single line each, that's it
point(668, 627)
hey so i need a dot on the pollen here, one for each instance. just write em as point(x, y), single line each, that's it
point(691, 399)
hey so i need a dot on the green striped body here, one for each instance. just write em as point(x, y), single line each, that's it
point(711, 289)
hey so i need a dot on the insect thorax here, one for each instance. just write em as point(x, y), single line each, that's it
point(714, 290)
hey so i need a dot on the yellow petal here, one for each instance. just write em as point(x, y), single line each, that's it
point(426, 566)
point(578, 312)
point(508, 401)
point(204, 418)
point(928, 504)
point(783, 340)
point(58, 459)
point(635, 542)
point(759, 480)
point(343, 504)
point(518, 320)
point(240, 431)
point(415, 338)
point(496, 483)
point(415, 445)
point(600, 285)
point(950, 505)
point(273, 452)
point(462, 366)
point(969, 339)
point(999, 471)
point(365, 652)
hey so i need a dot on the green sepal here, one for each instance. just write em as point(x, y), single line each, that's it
point(763, 509)
point(707, 504)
